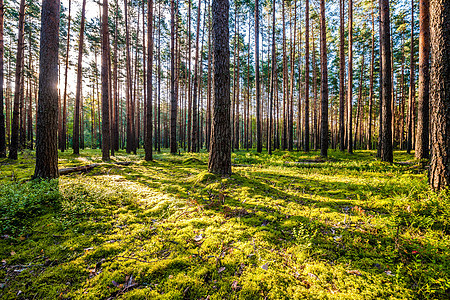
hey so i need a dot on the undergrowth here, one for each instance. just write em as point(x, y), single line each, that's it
point(286, 226)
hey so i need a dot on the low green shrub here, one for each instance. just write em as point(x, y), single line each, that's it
point(20, 202)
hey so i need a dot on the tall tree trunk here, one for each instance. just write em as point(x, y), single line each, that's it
point(273, 79)
point(285, 84)
point(372, 66)
point(412, 89)
point(350, 77)
point(208, 93)
point(14, 146)
point(47, 112)
point(341, 77)
point(105, 84)
point(422, 136)
point(439, 174)
point(220, 149)
point(2, 116)
point(63, 125)
point(324, 82)
point(257, 82)
point(76, 118)
point(306, 114)
point(195, 132)
point(149, 104)
point(386, 100)
point(129, 100)
point(173, 95)
point(291, 100)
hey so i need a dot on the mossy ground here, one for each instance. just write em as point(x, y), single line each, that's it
point(286, 226)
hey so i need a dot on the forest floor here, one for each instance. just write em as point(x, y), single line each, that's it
point(286, 226)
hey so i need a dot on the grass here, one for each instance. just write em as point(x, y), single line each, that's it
point(286, 226)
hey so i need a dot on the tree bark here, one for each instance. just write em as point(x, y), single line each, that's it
point(306, 114)
point(173, 95)
point(149, 98)
point(341, 77)
point(412, 87)
point(105, 84)
point(350, 77)
point(195, 131)
point(257, 82)
point(324, 83)
point(220, 150)
point(14, 146)
point(422, 137)
point(439, 174)
point(386, 97)
point(47, 113)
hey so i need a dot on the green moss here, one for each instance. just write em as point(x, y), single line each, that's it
point(349, 227)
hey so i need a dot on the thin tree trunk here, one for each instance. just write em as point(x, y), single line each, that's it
point(149, 104)
point(257, 82)
point(341, 77)
point(306, 114)
point(324, 82)
point(63, 132)
point(173, 87)
point(14, 146)
point(372, 66)
point(2, 115)
point(195, 132)
point(422, 136)
point(350, 76)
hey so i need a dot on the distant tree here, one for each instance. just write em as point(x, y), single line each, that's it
point(47, 112)
point(220, 149)
point(350, 77)
point(76, 112)
point(422, 136)
point(324, 82)
point(2, 116)
point(439, 175)
point(14, 146)
point(306, 115)
point(341, 77)
point(63, 125)
point(257, 82)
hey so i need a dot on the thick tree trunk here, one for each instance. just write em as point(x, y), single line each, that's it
point(439, 174)
point(422, 136)
point(220, 150)
point(14, 146)
point(149, 98)
point(324, 82)
point(386, 97)
point(47, 112)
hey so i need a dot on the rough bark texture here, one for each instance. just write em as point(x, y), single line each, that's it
point(324, 83)
point(220, 149)
point(422, 137)
point(440, 94)
point(76, 118)
point(257, 83)
point(105, 84)
point(149, 100)
point(14, 146)
point(47, 112)
point(2, 116)
point(386, 97)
